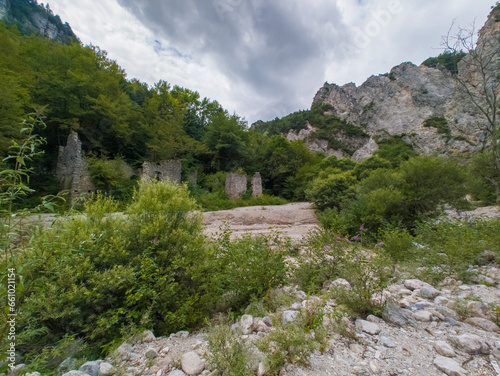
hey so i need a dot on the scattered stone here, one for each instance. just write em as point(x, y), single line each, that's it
point(176, 372)
point(451, 321)
point(196, 345)
point(374, 319)
point(447, 312)
point(374, 367)
point(289, 316)
point(464, 288)
point(429, 292)
point(148, 336)
point(182, 334)
point(478, 309)
point(386, 341)
point(415, 307)
point(125, 350)
point(296, 306)
point(33, 374)
point(470, 343)
point(192, 364)
point(483, 324)
point(267, 320)
point(75, 373)
point(90, 368)
point(165, 350)
point(367, 327)
point(441, 300)
point(340, 283)
point(423, 316)
point(449, 366)
point(398, 316)
point(246, 324)
point(443, 348)
point(356, 348)
point(261, 369)
point(151, 353)
point(67, 364)
point(414, 284)
point(106, 369)
point(486, 257)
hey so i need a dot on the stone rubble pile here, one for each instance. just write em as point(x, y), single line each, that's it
point(424, 330)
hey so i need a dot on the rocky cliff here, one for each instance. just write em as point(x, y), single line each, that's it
point(33, 19)
point(425, 106)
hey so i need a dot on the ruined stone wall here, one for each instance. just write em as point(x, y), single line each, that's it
point(163, 170)
point(236, 184)
point(73, 170)
point(256, 185)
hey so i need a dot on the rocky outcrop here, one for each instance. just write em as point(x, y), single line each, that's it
point(400, 102)
point(33, 19)
point(170, 170)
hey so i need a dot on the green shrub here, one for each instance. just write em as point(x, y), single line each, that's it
point(247, 267)
point(331, 188)
point(398, 243)
point(230, 356)
point(289, 344)
point(440, 123)
point(452, 246)
point(102, 272)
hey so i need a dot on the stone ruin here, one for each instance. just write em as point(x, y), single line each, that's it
point(256, 185)
point(236, 184)
point(163, 170)
point(73, 170)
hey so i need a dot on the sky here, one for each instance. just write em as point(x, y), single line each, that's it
point(263, 59)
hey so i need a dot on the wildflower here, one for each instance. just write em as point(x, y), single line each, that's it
point(355, 237)
point(334, 259)
point(327, 246)
point(338, 241)
point(362, 227)
point(356, 258)
point(346, 239)
point(381, 243)
point(155, 239)
point(338, 238)
point(326, 274)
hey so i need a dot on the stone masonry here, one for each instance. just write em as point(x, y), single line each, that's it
point(72, 169)
point(163, 170)
point(256, 185)
point(236, 184)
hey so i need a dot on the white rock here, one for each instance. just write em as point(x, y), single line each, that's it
point(386, 341)
point(176, 372)
point(449, 366)
point(429, 292)
point(470, 343)
point(196, 345)
point(261, 369)
point(423, 316)
point(443, 348)
point(125, 350)
point(374, 367)
point(148, 336)
point(192, 364)
point(75, 373)
point(441, 300)
point(413, 284)
point(246, 324)
point(165, 350)
point(151, 353)
point(289, 316)
point(478, 309)
point(182, 334)
point(106, 369)
point(484, 324)
point(367, 327)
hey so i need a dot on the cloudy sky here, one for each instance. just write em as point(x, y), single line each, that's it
point(265, 58)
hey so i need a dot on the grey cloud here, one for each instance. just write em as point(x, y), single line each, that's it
point(276, 48)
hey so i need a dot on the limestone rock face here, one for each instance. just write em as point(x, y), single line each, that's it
point(398, 103)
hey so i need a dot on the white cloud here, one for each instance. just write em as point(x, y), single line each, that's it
point(264, 59)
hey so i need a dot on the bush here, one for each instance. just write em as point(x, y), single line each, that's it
point(398, 243)
point(101, 272)
point(247, 267)
point(328, 191)
point(452, 246)
point(289, 344)
point(229, 356)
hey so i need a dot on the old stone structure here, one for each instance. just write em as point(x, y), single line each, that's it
point(236, 184)
point(73, 170)
point(163, 170)
point(192, 178)
point(256, 185)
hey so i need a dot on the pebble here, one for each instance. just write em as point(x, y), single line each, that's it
point(449, 366)
point(192, 364)
point(367, 327)
point(386, 341)
point(246, 324)
point(444, 349)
